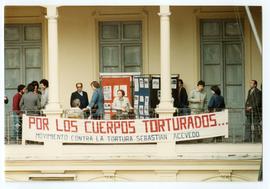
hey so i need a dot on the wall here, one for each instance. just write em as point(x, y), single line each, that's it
point(78, 41)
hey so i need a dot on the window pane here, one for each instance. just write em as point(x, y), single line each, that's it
point(12, 33)
point(132, 69)
point(33, 57)
point(132, 31)
point(212, 74)
point(233, 53)
point(33, 74)
point(12, 58)
point(32, 33)
point(234, 96)
point(232, 28)
point(111, 69)
point(212, 53)
point(110, 56)
point(211, 29)
point(12, 78)
point(233, 74)
point(110, 31)
point(132, 55)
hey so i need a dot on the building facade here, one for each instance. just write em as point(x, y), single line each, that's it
point(70, 44)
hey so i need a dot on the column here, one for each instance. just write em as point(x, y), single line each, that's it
point(165, 107)
point(53, 107)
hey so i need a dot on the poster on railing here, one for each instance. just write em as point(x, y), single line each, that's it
point(181, 128)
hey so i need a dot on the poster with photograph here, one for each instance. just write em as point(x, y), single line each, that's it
point(141, 109)
point(107, 91)
point(141, 83)
point(136, 85)
point(146, 100)
point(155, 83)
point(115, 89)
point(146, 83)
point(141, 98)
point(136, 100)
point(173, 83)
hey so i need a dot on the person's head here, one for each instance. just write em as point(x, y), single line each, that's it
point(76, 103)
point(36, 85)
point(30, 87)
point(95, 84)
point(180, 82)
point(21, 88)
point(215, 89)
point(120, 93)
point(79, 87)
point(44, 83)
point(253, 84)
point(200, 85)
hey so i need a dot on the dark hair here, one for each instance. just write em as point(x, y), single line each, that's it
point(45, 82)
point(122, 91)
point(35, 83)
point(79, 83)
point(180, 81)
point(216, 89)
point(30, 87)
point(20, 87)
point(255, 82)
point(95, 84)
point(201, 82)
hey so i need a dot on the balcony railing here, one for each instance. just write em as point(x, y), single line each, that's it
point(238, 122)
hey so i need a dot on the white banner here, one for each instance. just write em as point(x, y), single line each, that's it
point(181, 128)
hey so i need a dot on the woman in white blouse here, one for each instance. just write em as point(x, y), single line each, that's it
point(121, 104)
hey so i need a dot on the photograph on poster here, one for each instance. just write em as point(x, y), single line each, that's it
point(146, 83)
point(155, 83)
point(107, 91)
point(115, 89)
point(136, 85)
point(141, 83)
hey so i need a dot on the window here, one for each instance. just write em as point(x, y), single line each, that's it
point(120, 46)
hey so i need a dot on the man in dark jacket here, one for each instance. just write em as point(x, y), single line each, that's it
point(81, 95)
point(253, 113)
point(182, 99)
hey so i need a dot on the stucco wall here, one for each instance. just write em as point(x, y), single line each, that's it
point(79, 51)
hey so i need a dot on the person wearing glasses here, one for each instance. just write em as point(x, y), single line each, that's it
point(82, 96)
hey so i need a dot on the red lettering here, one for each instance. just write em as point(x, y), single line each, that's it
point(205, 121)
point(45, 124)
point(161, 125)
point(109, 126)
point(31, 121)
point(153, 128)
point(131, 126)
point(86, 124)
point(168, 123)
point(74, 126)
point(38, 124)
point(182, 122)
point(124, 127)
point(116, 126)
point(213, 121)
point(58, 129)
point(66, 125)
point(102, 127)
point(146, 125)
point(190, 122)
point(95, 126)
point(197, 120)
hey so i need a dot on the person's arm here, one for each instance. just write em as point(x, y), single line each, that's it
point(93, 99)
point(192, 97)
point(211, 104)
point(16, 104)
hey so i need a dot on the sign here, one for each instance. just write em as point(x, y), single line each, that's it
point(181, 128)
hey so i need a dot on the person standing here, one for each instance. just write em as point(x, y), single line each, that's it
point(216, 102)
point(30, 102)
point(96, 105)
point(253, 106)
point(44, 84)
point(17, 114)
point(197, 98)
point(182, 99)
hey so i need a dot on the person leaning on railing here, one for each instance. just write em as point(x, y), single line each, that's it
point(96, 105)
point(122, 105)
point(30, 102)
point(75, 111)
point(197, 98)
